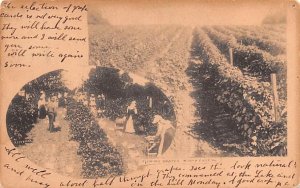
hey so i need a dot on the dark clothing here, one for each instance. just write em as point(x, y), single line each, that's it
point(42, 112)
point(166, 110)
point(62, 102)
point(169, 136)
point(131, 112)
point(51, 116)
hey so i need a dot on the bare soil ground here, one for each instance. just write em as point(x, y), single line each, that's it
point(131, 146)
point(53, 151)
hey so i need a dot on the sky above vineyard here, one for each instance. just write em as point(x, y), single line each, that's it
point(193, 13)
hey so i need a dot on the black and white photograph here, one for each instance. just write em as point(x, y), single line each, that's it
point(164, 82)
point(103, 126)
point(225, 72)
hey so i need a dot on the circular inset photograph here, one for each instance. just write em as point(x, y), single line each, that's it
point(91, 123)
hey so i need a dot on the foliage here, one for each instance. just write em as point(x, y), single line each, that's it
point(249, 101)
point(100, 158)
point(120, 90)
point(23, 110)
point(20, 117)
point(270, 45)
point(254, 62)
point(257, 61)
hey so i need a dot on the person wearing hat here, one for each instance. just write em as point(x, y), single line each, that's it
point(165, 132)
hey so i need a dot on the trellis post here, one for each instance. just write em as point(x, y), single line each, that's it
point(150, 102)
point(275, 97)
point(231, 56)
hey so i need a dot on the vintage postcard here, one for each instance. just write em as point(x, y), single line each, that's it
point(155, 93)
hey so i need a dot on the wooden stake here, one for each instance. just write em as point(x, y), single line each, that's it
point(150, 102)
point(275, 97)
point(231, 56)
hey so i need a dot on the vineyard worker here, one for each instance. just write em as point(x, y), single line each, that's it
point(42, 106)
point(165, 109)
point(52, 113)
point(165, 132)
point(131, 113)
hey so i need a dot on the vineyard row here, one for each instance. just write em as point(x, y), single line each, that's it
point(249, 102)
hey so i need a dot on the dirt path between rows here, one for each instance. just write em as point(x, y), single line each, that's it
point(167, 70)
point(131, 146)
point(53, 151)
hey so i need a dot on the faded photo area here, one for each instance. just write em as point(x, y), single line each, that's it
point(222, 65)
point(90, 123)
